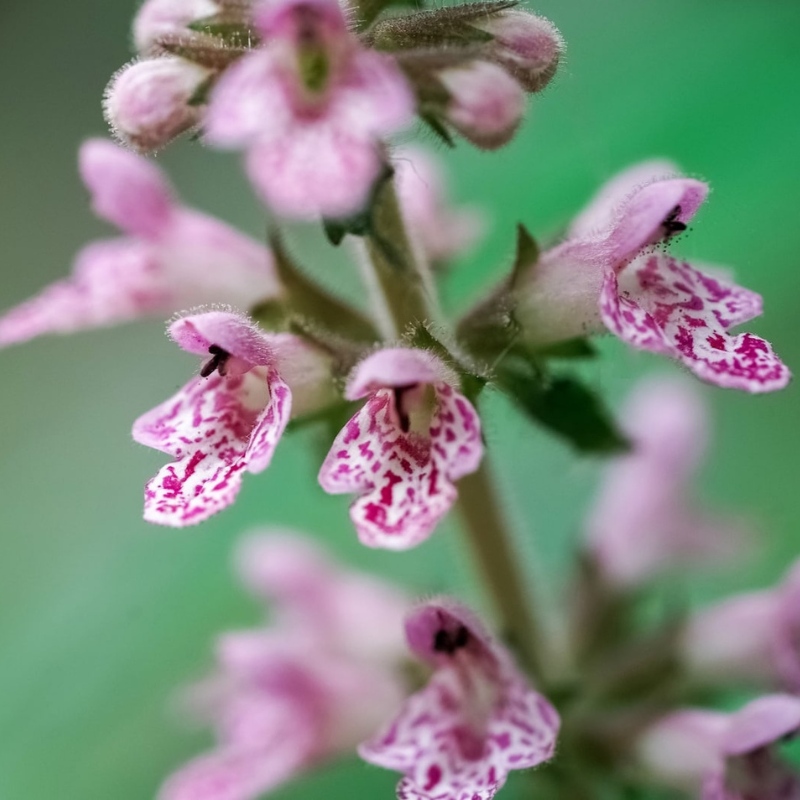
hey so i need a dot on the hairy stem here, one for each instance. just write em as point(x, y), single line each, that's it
point(407, 293)
point(403, 281)
point(490, 541)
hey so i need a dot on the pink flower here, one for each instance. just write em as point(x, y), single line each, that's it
point(475, 721)
point(607, 275)
point(401, 452)
point(148, 103)
point(310, 107)
point(229, 418)
point(726, 756)
point(526, 45)
point(486, 104)
point(750, 637)
point(292, 696)
point(441, 232)
point(171, 258)
point(643, 520)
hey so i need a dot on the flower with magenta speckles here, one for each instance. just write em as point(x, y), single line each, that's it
point(229, 418)
point(607, 274)
point(413, 438)
point(475, 721)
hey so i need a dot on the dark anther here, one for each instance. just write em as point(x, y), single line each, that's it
point(218, 361)
point(447, 642)
point(671, 224)
point(405, 421)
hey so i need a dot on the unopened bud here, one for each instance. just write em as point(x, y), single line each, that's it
point(157, 18)
point(486, 104)
point(529, 47)
point(149, 103)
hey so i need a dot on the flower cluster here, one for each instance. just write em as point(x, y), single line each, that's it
point(312, 92)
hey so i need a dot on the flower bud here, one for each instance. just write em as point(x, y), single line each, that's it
point(149, 103)
point(528, 46)
point(157, 18)
point(486, 104)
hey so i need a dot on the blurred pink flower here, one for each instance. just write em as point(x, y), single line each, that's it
point(148, 103)
point(643, 521)
point(310, 107)
point(726, 756)
point(486, 104)
point(172, 258)
point(401, 452)
point(443, 233)
point(752, 637)
point(291, 696)
point(475, 721)
point(607, 275)
point(228, 419)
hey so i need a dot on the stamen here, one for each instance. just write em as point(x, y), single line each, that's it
point(402, 414)
point(446, 642)
point(672, 224)
point(217, 362)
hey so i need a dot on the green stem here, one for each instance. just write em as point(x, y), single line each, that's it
point(402, 280)
point(490, 541)
point(407, 295)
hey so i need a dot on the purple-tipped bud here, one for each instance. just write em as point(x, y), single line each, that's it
point(149, 103)
point(157, 18)
point(528, 46)
point(486, 103)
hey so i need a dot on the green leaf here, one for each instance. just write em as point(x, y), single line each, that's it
point(527, 255)
point(563, 405)
point(437, 126)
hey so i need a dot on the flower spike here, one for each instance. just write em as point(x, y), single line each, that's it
point(475, 721)
point(401, 452)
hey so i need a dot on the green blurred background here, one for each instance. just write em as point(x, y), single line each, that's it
point(103, 617)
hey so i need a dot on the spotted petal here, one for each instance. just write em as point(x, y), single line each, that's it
point(215, 428)
point(443, 758)
point(666, 306)
point(406, 478)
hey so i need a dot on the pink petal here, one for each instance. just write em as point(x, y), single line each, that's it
point(126, 189)
point(668, 307)
point(236, 773)
point(157, 18)
point(211, 262)
point(234, 333)
point(113, 281)
point(315, 169)
point(761, 723)
point(643, 520)
point(373, 98)
point(396, 367)
point(249, 101)
point(215, 428)
point(406, 477)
